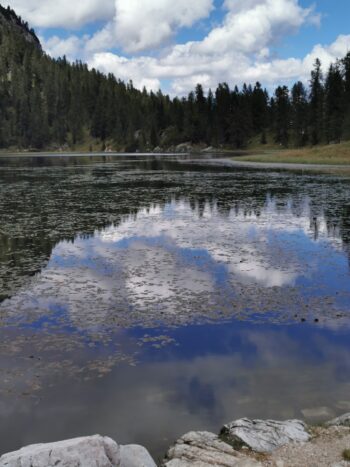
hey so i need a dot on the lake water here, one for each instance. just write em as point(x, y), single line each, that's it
point(142, 297)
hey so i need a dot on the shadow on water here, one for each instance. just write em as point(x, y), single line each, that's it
point(142, 297)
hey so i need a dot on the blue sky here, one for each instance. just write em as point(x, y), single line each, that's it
point(334, 21)
point(173, 45)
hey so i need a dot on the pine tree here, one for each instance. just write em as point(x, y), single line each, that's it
point(199, 115)
point(345, 65)
point(153, 136)
point(189, 124)
point(282, 115)
point(334, 104)
point(223, 115)
point(299, 109)
point(259, 109)
point(316, 104)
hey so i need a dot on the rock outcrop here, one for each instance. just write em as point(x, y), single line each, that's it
point(10, 20)
point(93, 451)
point(184, 148)
point(210, 149)
point(242, 443)
point(264, 436)
point(204, 449)
point(133, 455)
point(343, 420)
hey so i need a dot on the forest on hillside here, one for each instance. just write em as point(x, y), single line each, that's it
point(50, 103)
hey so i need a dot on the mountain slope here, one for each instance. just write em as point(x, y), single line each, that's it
point(9, 21)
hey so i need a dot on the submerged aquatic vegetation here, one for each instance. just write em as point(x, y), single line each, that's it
point(159, 289)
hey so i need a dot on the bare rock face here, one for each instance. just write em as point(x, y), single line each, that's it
point(93, 451)
point(184, 148)
point(264, 436)
point(135, 456)
point(344, 420)
point(204, 449)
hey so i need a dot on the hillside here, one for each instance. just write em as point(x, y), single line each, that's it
point(53, 104)
point(11, 23)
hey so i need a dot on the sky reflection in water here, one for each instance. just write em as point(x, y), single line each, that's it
point(182, 316)
point(171, 265)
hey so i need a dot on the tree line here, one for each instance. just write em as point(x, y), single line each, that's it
point(46, 102)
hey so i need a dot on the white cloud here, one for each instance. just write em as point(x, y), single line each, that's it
point(293, 68)
point(247, 27)
point(184, 68)
point(141, 70)
point(144, 24)
point(250, 26)
point(238, 50)
point(62, 13)
point(158, 271)
point(57, 47)
point(141, 24)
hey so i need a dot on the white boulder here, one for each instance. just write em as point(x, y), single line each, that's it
point(204, 449)
point(133, 455)
point(93, 451)
point(344, 420)
point(264, 436)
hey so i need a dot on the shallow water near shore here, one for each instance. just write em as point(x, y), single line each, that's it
point(142, 297)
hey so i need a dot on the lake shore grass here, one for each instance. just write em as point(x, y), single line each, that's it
point(335, 154)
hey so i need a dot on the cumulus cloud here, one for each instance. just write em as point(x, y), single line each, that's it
point(144, 24)
point(147, 23)
point(293, 68)
point(58, 47)
point(63, 13)
point(237, 50)
point(142, 71)
point(253, 25)
point(248, 26)
point(185, 69)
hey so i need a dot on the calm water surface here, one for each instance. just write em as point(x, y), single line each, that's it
point(142, 297)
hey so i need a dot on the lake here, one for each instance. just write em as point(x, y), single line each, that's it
point(142, 297)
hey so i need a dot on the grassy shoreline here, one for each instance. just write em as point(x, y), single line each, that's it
point(335, 154)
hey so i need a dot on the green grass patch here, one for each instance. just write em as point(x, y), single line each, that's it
point(346, 455)
point(335, 154)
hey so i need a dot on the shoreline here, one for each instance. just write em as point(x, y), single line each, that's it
point(240, 162)
point(315, 158)
point(242, 443)
point(326, 155)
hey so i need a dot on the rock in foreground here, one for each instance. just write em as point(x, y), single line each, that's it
point(243, 443)
point(133, 455)
point(264, 436)
point(93, 451)
point(344, 420)
point(203, 449)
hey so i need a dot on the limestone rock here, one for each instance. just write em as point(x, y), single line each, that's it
point(264, 436)
point(343, 420)
point(135, 456)
point(93, 451)
point(209, 149)
point(204, 449)
point(184, 148)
